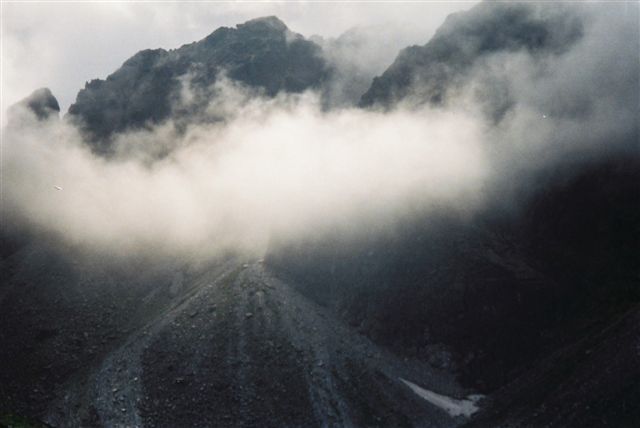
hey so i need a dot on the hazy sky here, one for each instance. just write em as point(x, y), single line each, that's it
point(62, 45)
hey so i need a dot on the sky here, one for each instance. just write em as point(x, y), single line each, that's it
point(62, 45)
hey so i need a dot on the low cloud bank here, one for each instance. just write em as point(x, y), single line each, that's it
point(285, 168)
point(279, 168)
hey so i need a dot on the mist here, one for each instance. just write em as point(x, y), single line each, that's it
point(287, 168)
point(279, 168)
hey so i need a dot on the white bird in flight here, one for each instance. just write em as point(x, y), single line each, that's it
point(57, 187)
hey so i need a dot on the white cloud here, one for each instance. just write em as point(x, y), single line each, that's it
point(281, 168)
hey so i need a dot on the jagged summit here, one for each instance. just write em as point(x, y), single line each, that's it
point(266, 26)
point(261, 53)
point(268, 23)
point(425, 74)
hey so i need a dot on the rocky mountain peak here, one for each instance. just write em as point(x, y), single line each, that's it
point(265, 23)
point(260, 54)
point(466, 39)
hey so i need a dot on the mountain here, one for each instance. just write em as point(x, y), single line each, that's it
point(498, 291)
point(531, 300)
point(429, 73)
point(537, 311)
point(148, 89)
point(226, 344)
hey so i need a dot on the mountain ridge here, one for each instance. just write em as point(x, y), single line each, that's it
point(261, 53)
point(425, 74)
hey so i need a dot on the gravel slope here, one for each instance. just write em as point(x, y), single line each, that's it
point(226, 345)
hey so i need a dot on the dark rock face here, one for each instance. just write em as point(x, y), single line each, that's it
point(503, 292)
point(261, 54)
point(426, 73)
point(41, 103)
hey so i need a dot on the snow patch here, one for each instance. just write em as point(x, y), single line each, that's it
point(452, 406)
